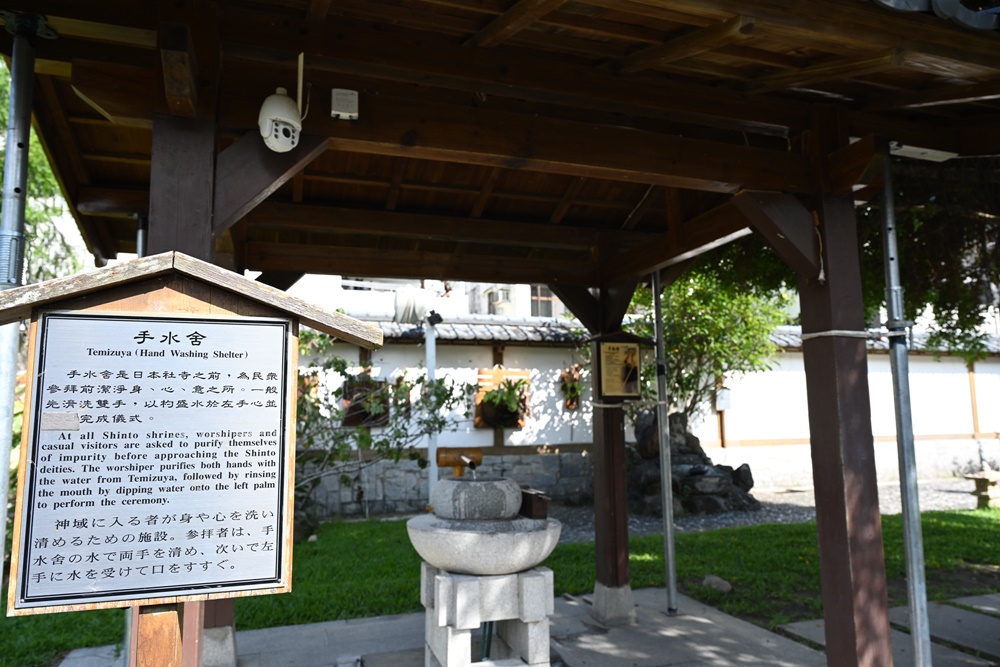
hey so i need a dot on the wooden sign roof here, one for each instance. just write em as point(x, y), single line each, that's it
point(17, 304)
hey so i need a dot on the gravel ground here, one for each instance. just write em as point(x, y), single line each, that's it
point(778, 506)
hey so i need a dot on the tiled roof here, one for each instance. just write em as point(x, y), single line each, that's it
point(790, 338)
point(489, 329)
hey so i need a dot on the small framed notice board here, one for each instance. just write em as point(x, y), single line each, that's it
point(619, 369)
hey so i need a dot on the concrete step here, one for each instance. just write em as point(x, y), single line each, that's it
point(974, 631)
point(902, 647)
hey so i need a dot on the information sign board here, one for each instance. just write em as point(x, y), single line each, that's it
point(158, 460)
point(619, 369)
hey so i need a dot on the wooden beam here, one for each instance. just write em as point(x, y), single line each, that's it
point(787, 226)
point(615, 297)
point(839, 69)
point(859, 163)
point(691, 44)
point(317, 10)
point(500, 139)
point(282, 280)
point(120, 93)
point(694, 237)
point(507, 75)
point(112, 202)
point(312, 258)
point(181, 185)
point(854, 24)
point(102, 32)
point(394, 224)
point(180, 69)
point(247, 172)
point(581, 302)
point(521, 15)
point(971, 93)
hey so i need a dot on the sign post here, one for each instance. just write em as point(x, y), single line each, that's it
point(158, 456)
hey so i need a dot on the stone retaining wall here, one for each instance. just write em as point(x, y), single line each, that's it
point(401, 488)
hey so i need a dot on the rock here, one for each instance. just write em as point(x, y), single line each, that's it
point(717, 584)
point(693, 476)
point(743, 478)
point(705, 504)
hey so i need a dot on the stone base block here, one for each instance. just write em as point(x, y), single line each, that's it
point(613, 606)
point(218, 647)
point(456, 605)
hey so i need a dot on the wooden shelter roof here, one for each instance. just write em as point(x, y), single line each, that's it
point(572, 142)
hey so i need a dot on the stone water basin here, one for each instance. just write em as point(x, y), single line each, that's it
point(476, 530)
point(483, 547)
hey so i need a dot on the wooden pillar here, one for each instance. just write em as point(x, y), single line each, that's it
point(610, 500)
point(852, 567)
point(603, 314)
point(182, 177)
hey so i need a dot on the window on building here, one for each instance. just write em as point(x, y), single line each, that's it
point(498, 301)
point(542, 299)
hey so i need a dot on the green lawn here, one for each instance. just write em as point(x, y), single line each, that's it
point(368, 568)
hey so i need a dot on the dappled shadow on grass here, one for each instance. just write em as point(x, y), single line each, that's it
point(355, 569)
point(368, 568)
point(774, 569)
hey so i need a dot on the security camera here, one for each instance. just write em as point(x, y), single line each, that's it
point(279, 122)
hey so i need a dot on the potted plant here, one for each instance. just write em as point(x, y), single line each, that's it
point(569, 385)
point(506, 405)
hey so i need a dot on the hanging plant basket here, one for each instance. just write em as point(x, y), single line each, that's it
point(502, 400)
point(569, 385)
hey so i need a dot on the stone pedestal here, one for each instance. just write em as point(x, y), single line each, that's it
point(457, 604)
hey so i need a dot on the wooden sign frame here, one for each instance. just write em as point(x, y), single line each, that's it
point(114, 513)
point(160, 291)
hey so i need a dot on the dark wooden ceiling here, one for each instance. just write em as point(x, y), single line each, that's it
point(540, 141)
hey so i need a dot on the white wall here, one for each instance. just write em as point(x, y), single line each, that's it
point(550, 423)
point(767, 424)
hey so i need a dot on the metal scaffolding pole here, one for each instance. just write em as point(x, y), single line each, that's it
point(913, 537)
point(666, 476)
point(24, 27)
point(430, 340)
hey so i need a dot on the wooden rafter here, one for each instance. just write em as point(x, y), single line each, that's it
point(317, 10)
point(941, 96)
point(840, 69)
point(568, 198)
point(644, 204)
point(247, 172)
point(395, 185)
point(180, 69)
point(485, 192)
point(694, 237)
point(691, 44)
point(521, 15)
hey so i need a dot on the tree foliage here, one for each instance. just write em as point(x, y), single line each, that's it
point(948, 227)
point(47, 254)
point(712, 330)
point(948, 230)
